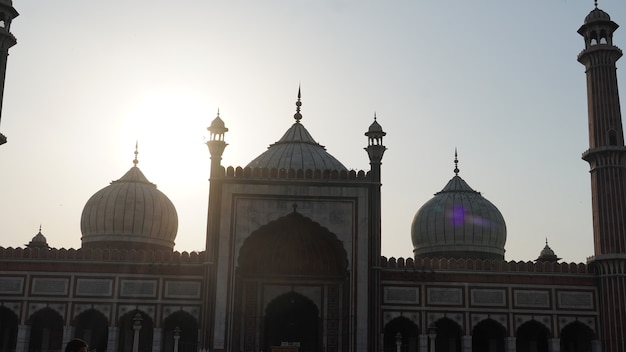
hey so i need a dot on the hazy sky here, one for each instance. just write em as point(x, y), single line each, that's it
point(497, 79)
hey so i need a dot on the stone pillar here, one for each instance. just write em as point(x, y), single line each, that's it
point(23, 335)
point(554, 345)
point(423, 343)
point(466, 343)
point(136, 327)
point(113, 339)
point(509, 344)
point(156, 340)
point(68, 334)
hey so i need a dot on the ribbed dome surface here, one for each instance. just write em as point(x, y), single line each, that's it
point(458, 222)
point(129, 213)
point(597, 15)
point(293, 245)
point(297, 150)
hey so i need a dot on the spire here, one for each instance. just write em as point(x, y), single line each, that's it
point(298, 115)
point(595, 3)
point(135, 162)
point(456, 163)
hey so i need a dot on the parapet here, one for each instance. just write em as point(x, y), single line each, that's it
point(300, 174)
point(103, 255)
point(478, 265)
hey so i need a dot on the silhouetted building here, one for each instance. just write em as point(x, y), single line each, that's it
point(293, 261)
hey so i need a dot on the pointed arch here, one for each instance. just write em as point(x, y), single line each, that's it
point(46, 330)
point(292, 317)
point(93, 327)
point(126, 331)
point(293, 245)
point(186, 326)
point(448, 336)
point(576, 337)
point(8, 330)
point(403, 329)
point(488, 336)
point(532, 336)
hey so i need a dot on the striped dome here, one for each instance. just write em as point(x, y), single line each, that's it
point(458, 222)
point(297, 150)
point(130, 213)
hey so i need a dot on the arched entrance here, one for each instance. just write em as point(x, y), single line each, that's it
point(8, 330)
point(298, 252)
point(93, 327)
point(488, 336)
point(127, 325)
point(448, 336)
point(46, 331)
point(292, 318)
point(532, 336)
point(186, 326)
point(576, 337)
point(407, 331)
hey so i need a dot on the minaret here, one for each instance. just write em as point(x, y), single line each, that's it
point(7, 40)
point(375, 150)
point(216, 146)
point(607, 158)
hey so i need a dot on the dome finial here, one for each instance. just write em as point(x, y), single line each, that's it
point(298, 115)
point(135, 162)
point(595, 3)
point(456, 163)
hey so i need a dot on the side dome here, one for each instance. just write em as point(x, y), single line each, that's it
point(297, 150)
point(458, 222)
point(130, 213)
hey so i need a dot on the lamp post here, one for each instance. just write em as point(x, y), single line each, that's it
point(176, 338)
point(136, 327)
point(432, 335)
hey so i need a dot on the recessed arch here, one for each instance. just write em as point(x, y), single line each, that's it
point(127, 332)
point(488, 336)
point(402, 329)
point(8, 330)
point(292, 318)
point(46, 330)
point(93, 327)
point(293, 245)
point(577, 337)
point(186, 326)
point(448, 336)
point(532, 336)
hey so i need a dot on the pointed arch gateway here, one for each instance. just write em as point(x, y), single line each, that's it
point(46, 330)
point(8, 330)
point(292, 262)
point(93, 327)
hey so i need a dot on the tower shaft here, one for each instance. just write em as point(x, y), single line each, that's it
point(607, 160)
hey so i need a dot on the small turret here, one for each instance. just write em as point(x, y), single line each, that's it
point(375, 148)
point(547, 255)
point(216, 142)
point(7, 40)
point(38, 241)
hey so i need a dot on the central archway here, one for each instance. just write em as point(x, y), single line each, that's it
point(292, 318)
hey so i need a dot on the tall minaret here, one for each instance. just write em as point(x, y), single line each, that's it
point(375, 150)
point(216, 145)
point(607, 158)
point(7, 40)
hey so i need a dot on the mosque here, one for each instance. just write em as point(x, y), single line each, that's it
point(293, 261)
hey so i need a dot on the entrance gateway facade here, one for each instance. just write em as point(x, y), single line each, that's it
point(292, 260)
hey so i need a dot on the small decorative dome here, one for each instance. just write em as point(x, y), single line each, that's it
point(547, 254)
point(458, 222)
point(38, 241)
point(130, 213)
point(297, 150)
point(597, 15)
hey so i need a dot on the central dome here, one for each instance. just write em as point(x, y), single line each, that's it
point(458, 222)
point(297, 150)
